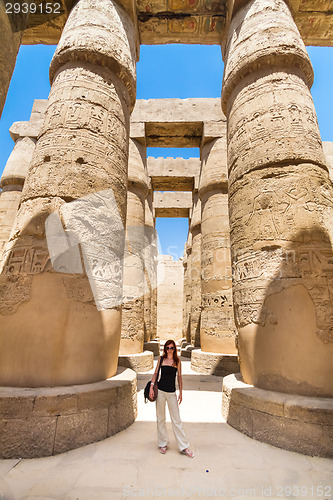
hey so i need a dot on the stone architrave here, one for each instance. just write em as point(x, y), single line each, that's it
point(132, 331)
point(280, 205)
point(217, 326)
point(63, 268)
point(195, 271)
point(11, 184)
point(12, 24)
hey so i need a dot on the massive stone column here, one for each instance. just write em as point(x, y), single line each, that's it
point(154, 249)
point(150, 278)
point(11, 183)
point(195, 275)
point(281, 212)
point(12, 25)
point(188, 288)
point(218, 354)
point(64, 272)
point(149, 263)
point(132, 331)
point(185, 293)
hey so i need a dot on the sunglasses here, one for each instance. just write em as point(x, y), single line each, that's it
point(170, 348)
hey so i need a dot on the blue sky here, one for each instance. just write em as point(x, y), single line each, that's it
point(163, 71)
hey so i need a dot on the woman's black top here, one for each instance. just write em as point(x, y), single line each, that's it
point(167, 381)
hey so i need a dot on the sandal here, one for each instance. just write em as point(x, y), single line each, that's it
point(188, 453)
point(163, 449)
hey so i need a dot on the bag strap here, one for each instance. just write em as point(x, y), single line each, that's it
point(158, 372)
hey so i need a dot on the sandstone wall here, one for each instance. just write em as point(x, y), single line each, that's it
point(170, 298)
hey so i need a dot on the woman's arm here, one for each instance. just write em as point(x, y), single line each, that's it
point(154, 379)
point(180, 382)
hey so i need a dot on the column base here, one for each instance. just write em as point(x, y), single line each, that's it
point(212, 363)
point(140, 362)
point(288, 421)
point(45, 421)
point(187, 351)
point(152, 346)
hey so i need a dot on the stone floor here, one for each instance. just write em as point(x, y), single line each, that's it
point(227, 464)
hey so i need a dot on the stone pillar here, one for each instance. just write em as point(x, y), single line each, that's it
point(11, 183)
point(196, 271)
point(149, 263)
point(280, 204)
point(218, 354)
point(132, 331)
point(188, 287)
point(150, 278)
point(64, 272)
point(185, 293)
point(153, 322)
point(11, 28)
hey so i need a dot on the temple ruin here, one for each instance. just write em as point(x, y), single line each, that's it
point(79, 261)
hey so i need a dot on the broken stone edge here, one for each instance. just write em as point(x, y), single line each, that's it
point(212, 363)
point(295, 423)
point(140, 362)
point(45, 421)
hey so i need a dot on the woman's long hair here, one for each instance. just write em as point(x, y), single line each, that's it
point(175, 355)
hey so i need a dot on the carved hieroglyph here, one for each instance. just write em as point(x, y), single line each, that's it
point(281, 205)
point(132, 329)
point(195, 271)
point(72, 333)
point(217, 327)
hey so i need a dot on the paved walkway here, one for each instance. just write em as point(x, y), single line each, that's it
point(227, 464)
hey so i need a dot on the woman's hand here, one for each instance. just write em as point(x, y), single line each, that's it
point(180, 398)
point(151, 391)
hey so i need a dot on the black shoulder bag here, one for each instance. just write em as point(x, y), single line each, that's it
point(155, 387)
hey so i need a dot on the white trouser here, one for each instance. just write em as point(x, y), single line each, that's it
point(177, 425)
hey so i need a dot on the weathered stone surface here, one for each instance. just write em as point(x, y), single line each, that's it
point(217, 328)
point(46, 421)
point(200, 22)
point(187, 289)
point(11, 28)
point(195, 272)
point(296, 423)
point(139, 362)
point(152, 346)
point(177, 122)
point(170, 204)
point(173, 174)
point(280, 205)
point(72, 337)
point(132, 332)
point(212, 363)
point(169, 304)
point(80, 429)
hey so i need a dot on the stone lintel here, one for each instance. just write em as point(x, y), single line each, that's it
point(288, 421)
point(32, 127)
point(198, 22)
point(170, 204)
point(46, 421)
point(177, 110)
point(176, 174)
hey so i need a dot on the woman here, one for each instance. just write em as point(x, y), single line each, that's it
point(170, 365)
